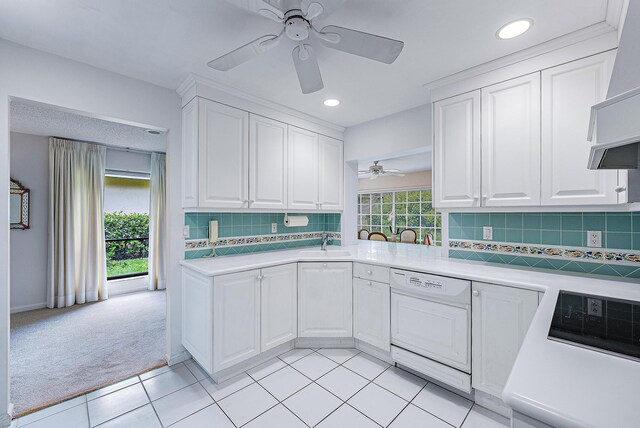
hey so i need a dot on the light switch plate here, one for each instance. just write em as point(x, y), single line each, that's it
point(185, 231)
point(487, 233)
point(274, 227)
point(594, 238)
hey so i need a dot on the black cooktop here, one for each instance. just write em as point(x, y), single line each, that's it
point(601, 323)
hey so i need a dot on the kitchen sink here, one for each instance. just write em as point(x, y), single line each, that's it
point(327, 253)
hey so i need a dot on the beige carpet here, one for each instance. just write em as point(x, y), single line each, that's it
point(57, 354)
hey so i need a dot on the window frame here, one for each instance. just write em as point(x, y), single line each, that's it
point(427, 221)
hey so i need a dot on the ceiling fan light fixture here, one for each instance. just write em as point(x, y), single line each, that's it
point(332, 102)
point(514, 29)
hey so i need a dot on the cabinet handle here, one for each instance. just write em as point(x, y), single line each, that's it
point(369, 283)
point(476, 293)
point(324, 265)
point(259, 277)
point(369, 272)
point(620, 189)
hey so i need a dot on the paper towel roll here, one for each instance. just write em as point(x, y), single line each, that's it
point(296, 220)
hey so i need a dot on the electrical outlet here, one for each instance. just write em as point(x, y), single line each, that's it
point(594, 238)
point(185, 231)
point(487, 233)
point(274, 227)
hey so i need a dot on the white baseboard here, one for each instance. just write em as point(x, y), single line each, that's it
point(374, 352)
point(492, 403)
point(16, 309)
point(225, 374)
point(325, 342)
point(118, 287)
point(177, 358)
point(5, 418)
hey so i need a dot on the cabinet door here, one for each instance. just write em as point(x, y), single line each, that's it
point(372, 313)
point(224, 157)
point(568, 92)
point(501, 317)
point(511, 142)
point(190, 154)
point(325, 299)
point(331, 173)
point(303, 169)
point(197, 317)
point(279, 305)
point(236, 318)
point(267, 163)
point(457, 151)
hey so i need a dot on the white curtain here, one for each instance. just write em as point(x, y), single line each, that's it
point(158, 223)
point(77, 271)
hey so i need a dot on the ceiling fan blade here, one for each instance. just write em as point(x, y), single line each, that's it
point(314, 10)
point(328, 6)
point(373, 177)
point(394, 174)
point(307, 69)
point(366, 45)
point(244, 53)
point(392, 170)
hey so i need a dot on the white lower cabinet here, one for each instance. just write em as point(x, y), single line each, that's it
point(325, 299)
point(372, 313)
point(236, 318)
point(500, 319)
point(279, 305)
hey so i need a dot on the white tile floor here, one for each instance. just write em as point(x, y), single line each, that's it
point(327, 388)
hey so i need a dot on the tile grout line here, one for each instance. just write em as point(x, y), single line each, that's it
point(151, 402)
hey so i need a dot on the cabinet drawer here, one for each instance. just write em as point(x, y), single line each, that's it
point(371, 272)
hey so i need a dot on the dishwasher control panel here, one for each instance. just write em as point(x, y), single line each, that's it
point(439, 287)
point(417, 281)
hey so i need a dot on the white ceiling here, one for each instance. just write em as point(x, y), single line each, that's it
point(161, 41)
point(407, 164)
point(38, 119)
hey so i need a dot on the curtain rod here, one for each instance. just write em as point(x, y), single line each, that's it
point(121, 149)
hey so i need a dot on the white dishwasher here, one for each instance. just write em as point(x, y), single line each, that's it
point(431, 326)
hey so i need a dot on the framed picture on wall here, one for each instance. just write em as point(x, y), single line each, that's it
point(19, 205)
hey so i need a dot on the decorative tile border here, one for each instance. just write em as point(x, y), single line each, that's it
point(242, 241)
point(622, 257)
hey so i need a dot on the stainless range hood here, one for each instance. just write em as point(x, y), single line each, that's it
point(615, 129)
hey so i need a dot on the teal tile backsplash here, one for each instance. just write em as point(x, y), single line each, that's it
point(254, 225)
point(556, 240)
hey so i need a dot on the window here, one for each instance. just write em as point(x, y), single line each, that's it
point(126, 226)
point(413, 210)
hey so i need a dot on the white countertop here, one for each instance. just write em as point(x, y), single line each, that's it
point(559, 384)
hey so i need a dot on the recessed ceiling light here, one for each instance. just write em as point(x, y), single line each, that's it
point(332, 102)
point(153, 131)
point(514, 29)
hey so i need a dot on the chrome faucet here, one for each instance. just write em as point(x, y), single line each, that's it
point(325, 240)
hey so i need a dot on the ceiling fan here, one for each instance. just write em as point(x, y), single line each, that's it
point(297, 17)
point(376, 171)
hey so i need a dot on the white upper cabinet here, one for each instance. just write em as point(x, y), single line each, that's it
point(190, 154)
point(303, 169)
point(457, 151)
point(568, 92)
point(267, 163)
point(223, 155)
point(511, 142)
point(279, 305)
point(330, 173)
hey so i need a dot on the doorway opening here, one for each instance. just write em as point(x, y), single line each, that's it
point(65, 342)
